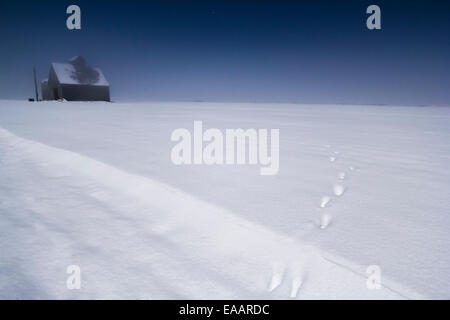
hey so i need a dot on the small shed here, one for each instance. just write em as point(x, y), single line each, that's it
point(75, 81)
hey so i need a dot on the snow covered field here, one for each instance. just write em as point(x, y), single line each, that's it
point(92, 184)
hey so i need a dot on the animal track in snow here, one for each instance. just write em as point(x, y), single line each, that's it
point(341, 175)
point(325, 221)
point(339, 189)
point(324, 201)
point(332, 159)
point(296, 285)
point(292, 272)
point(277, 277)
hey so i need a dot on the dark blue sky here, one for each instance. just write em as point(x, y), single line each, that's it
point(286, 51)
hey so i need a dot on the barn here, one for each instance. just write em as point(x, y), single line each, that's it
point(75, 81)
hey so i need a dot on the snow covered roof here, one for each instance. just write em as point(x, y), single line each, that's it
point(77, 72)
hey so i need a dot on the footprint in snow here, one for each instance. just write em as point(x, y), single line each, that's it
point(296, 285)
point(277, 277)
point(333, 159)
point(281, 271)
point(324, 201)
point(325, 221)
point(341, 175)
point(339, 189)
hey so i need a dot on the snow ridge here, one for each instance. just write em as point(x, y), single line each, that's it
point(135, 237)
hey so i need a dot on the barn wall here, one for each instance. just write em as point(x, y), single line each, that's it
point(85, 93)
point(52, 79)
point(52, 85)
point(46, 92)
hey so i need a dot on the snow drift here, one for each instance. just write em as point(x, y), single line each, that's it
point(80, 202)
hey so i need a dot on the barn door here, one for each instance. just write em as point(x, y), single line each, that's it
point(55, 94)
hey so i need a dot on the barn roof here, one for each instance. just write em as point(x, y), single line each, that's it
point(68, 73)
